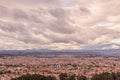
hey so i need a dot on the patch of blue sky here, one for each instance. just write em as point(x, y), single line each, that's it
point(69, 3)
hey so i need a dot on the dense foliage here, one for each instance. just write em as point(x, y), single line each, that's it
point(81, 78)
point(106, 76)
point(65, 76)
point(35, 77)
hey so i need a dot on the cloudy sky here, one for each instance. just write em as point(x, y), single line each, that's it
point(59, 24)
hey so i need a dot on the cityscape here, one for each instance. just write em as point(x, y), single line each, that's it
point(54, 64)
point(59, 39)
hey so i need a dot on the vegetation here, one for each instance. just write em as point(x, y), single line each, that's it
point(81, 78)
point(34, 77)
point(65, 76)
point(106, 76)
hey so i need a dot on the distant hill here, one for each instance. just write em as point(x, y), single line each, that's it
point(111, 52)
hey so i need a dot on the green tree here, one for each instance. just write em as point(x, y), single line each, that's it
point(64, 76)
point(35, 77)
point(102, 76)
point(81, 78)
point(72, 77)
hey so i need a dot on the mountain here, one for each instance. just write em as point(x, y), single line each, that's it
point(110, 52)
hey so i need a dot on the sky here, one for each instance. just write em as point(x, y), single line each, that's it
point(59, 24)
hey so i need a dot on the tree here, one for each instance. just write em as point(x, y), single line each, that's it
point(72, 77)
point(81, 78)
point(63, 76)
point(35, 77)
point(102, 76)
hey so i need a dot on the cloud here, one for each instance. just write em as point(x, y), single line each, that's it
point(57, 23)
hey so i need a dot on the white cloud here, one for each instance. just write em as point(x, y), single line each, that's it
point(37, 23)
